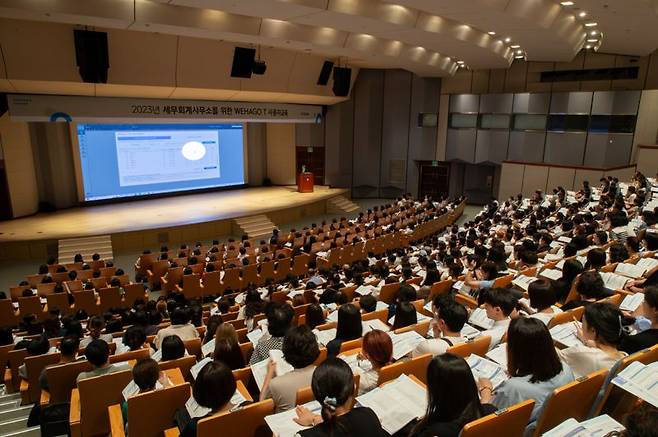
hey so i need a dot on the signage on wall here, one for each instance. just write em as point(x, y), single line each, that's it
point(83, 109)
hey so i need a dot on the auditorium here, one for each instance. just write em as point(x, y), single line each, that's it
point(329, 218)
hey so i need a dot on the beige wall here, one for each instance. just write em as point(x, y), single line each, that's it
point(646, 128)
point(21, 177)
point(647, 160)
point(281, 153)
point(522, 178)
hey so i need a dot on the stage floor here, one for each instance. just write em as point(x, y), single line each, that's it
point(167, 212)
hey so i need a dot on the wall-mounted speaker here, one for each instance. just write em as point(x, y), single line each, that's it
point(342, 79)
point(325, 73)
point(259, 67)
point(243, 61)
point(91, 55)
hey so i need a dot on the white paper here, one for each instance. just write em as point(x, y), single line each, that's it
point(157, 355)
point(194, 370)
point(613, 281)
point(647, 263)
point(259, 370)
point(208, 348)
point(484, 368)
point(632, 302)
point(283, 424)
point(499, 354)
point(410, 403)
point(630, 270)
point(255, 335)
point(523, 281)
point(469, 332)
point(194, 409)
point(404, 343)
point(479, 318)
point(640, 380)
point(565, 334)
point(132, 389)
point(369, 325)
point(333, 317)
point(551, 274)
point(564, 239)
point(237, 398)
point(325, 336)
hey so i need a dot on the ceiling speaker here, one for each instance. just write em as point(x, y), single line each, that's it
point(243, 61)
point(91, 55)
point(342, 79)
point(325, 73)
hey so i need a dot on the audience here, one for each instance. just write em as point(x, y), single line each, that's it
point(648, 337)
point(180, 326)
point(227, 349)
point(377, 349)
point(449, 319)
point(97, 353)
point(349, 327)
point(279, 320)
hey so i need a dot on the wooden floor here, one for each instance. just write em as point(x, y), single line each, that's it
point(159, 213)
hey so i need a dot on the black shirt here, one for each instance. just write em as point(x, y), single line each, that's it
point(637, 342)
point(449, 429)
point(360, 421)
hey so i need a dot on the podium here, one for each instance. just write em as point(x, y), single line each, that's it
point(305, 182)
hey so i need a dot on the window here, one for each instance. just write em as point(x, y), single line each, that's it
point(427, 119)
point(568, 123)
point(463, 120)
point(612, 123)
point(529, 122)
point(494, 121)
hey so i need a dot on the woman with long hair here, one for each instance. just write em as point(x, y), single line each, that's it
point(333, 387)
point(227, 348)
point(452, 398)
point(348, 328)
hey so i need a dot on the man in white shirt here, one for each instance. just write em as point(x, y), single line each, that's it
point(499, 303)
point(180, 326)
point(449, 319)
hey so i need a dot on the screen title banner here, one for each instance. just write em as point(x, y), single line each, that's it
point(82, 109)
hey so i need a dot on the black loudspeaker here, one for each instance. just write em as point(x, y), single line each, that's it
point(342, 79)
point(259, 67)
point(243, 61)
point(4, 105)
point(91, 55)
point(325, 73)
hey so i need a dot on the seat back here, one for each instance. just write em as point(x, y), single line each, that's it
point(61, 379)
point(44, 290)
point(96, 394)
point(478, 346)
point(110, 298)
point(193, 347)
point(33, 367)
point(138, 354)
point(572, 400)
point(248, 421)
point(86, 300)
point(184, 364)
point(507, 422)
point(132, 292)
point(567, 316)
point(163, 402)
point(282, 269)
point(439, 288)
point(388, 292)
point(212, 284)
point(15, 358)
point(30, 305)
point(59, 301)
point(192, 286)
point(300, 266)
point(351, 344)
point(416, 366)
point(503, 281)
point(7, 314)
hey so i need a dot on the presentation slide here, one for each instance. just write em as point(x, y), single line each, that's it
point(128, 160)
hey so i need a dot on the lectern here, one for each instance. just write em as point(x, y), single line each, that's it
point(305, 182)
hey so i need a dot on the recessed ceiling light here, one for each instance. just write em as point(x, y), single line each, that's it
point(491, 33)
point(592, 24)
point(567, 3)
point(515, 46)
point(582, 14)
point(593, 32)
point(519, 52)
point(519, 57)
point(508, 39)
point(460, 62)
point(588, 46)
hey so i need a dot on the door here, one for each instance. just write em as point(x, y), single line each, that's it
point(312, 159)
point(434, 179)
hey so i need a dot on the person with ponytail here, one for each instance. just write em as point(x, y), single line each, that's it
point(601, 334)
point(452, 398)
point(333, 388)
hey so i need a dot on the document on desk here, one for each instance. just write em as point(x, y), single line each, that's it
point(553, 274)
point(484, 368)
point(613, 281)
point(410, 403)
point(523, 281)
point(369, 325)
point(565, 334)
point(325, 336)
point(479, 318)
point(595, 427)
point(640, 380)
point(404, 343)
point(630, 270)
point(284, 425)
point(632, 302)
point(194, 370)
point(499, 354)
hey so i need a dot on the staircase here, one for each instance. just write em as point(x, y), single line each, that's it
point(13, 417)
point(255, 226)
point(86, 246)
point(341, 205)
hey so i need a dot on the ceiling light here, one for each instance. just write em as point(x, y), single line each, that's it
point(588, 46)
point(460, 62)
point(508, 39)
point(592, 24)
point(491, 33)
point(519, 52)
point(592, 40)
point(515, 46)
point(519, 57)
point(582, 14)
point(567, 3)
point(593, 32)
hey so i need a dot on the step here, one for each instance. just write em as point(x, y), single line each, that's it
point(10, 405)
point(16, 413)
point(258, 227)
point(86, 246)
point(253, 218)
point(10, 397)
point(14, 425)
point(35, 431)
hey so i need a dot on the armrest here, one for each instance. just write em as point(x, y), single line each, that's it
point(7, 381)
point(117, 426)
point(171, 432)
point(24, 389)
point(149, 273)
point(45, 398)
point(74, 413)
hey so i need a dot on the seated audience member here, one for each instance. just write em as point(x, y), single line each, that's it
point(6, 337)
point(98, 353)
point(533, 365)
point(590, 288)
point(449, 319)
point(484, 277)
point(452, 398)
point(542, 301)
point(333, 387)
point(601, 333)
point(146, 374)
point(68, 349)
point(279, 319)
point(96, 326)
point(499, 304)
point(648, 337)
point(37, 346)
point(368, 303)
point(570, 271)
point(618, 253)
point(405, 315)
point(315, 315)
point(172, 348)
point(253, 305)
point(378, 350)
point(300, 350)
point(596, 258)
point(211, 327)
point(641, 422)
point(180, 326)
point(227, 348)
point(213, 389)
point(133, 339)
point(349, 327)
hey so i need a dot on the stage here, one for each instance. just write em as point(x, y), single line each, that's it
point(139, 224)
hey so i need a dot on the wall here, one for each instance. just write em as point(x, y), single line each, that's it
point(373, 141)
point(526, 178)
point(646, 129)
point(256, 153)
point(281, 153)
point(647, 160)
point(17, 150)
